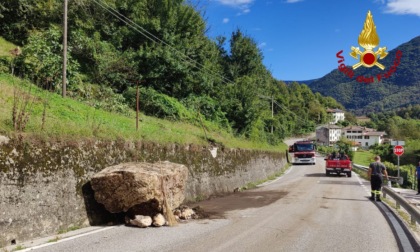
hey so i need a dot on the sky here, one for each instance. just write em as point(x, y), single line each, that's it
point(299, 39)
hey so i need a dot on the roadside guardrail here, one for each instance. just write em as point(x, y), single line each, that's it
point(399, 180)
point(400, 201)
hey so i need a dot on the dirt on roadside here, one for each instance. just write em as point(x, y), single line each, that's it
point(216, 208)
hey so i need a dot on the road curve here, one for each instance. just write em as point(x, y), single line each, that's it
point(302, 211)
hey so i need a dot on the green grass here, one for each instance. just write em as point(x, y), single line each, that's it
point(72, 228)
point(363, 157)
point(401, 213)
point(18, 247)
point(67, 119)
point(5, 47)
point(55, 239)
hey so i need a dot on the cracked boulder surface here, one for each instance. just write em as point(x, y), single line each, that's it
point(126, 185)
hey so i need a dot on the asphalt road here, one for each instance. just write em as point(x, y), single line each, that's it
point(301, 211)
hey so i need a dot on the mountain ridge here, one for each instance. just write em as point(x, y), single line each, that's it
point(394, 89)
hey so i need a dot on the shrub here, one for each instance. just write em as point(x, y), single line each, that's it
point(209, 108)
point(41, 59)
point(159, 105)
point(5, 65)
point(100, 97)
point(406, 171)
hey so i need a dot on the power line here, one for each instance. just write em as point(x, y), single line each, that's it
point(184, 57)
point(283, 107)
point(155, 39)
point(299, 118)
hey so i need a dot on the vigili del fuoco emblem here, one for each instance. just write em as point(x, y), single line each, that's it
point(368, 39)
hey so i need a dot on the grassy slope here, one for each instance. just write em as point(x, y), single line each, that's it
point(5, 47)
point(363, 157)
point(69, 119)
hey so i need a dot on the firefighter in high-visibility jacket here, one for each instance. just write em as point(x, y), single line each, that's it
point(375, 173)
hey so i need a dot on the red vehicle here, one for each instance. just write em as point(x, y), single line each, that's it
point(303, 152)
point(338, 164)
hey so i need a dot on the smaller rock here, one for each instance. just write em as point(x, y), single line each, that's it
point(141, 221)
point(4, 140)
point(159, 220)
point(187, 214)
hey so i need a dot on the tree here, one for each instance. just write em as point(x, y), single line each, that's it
point(245, 57)
point(344, 146)
point(41, 58)
point(18, 18)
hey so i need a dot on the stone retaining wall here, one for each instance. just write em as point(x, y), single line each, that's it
point(45, 189)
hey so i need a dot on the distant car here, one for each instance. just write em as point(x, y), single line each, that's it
point(338, 164)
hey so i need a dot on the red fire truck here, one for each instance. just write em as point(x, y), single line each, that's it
point(303, 152)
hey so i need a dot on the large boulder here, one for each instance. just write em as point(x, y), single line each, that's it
point(127, 185)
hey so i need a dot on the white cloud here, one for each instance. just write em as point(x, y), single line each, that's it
point(236, 3)
point(225, 20)
point(293, 1)
point(261, 45)
point(243, 5)
point(403, 7)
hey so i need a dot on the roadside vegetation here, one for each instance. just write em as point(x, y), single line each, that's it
point(6, 47)
point(407, 171)
point(363, 157)
point(214, 88)
point(402, 124)
point(52, 117)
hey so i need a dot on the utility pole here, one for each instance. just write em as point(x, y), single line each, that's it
point(65, 48)
point(272, 114)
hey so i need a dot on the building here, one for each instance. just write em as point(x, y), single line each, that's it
point(328, 134)
point(355, 146)
point(364, 136)
point(336, 115)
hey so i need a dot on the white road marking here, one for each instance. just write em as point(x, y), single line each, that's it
point(67, 239)
point(367, 190)
point(272, 181)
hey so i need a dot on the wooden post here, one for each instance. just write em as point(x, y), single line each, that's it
point(137, 106)
point(64, 48)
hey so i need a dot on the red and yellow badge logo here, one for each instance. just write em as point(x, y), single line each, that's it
point(368, 39)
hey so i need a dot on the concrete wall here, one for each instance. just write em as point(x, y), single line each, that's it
point(44, 186)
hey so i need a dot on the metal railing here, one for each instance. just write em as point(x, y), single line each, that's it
point(399, 201)
point(399, 180)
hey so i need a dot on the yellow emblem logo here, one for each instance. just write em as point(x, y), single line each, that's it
point(368, 39)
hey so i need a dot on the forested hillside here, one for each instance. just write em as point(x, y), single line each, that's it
point(401, 89)
point(160, 45)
